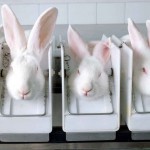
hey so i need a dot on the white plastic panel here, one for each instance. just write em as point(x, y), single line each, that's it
point(18, 107)
point(23, 125)
point(126, 78)
point(141, 102)
point(93, 121)
point(82, 106)
point(134, 105)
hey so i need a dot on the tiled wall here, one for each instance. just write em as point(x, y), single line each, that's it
point(86, 12)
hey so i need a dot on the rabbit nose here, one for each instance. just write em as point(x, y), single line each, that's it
point(23, 93)
point(86, 91)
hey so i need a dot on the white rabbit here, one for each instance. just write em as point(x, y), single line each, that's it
point(88, 80)
point(25, 79)
point(141, 58)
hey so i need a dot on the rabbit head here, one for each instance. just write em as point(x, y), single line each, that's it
point(25, 78)
point(141, 58)
point(89, 79)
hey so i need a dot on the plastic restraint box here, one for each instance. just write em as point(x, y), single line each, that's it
point(25, 121)
point(135, 107)
point(83, 121)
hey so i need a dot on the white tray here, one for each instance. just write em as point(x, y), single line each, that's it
point(141, 102)
point(91, 120)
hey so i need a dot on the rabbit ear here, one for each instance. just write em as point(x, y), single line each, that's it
point(102, 51)
point(41, 33)
point(148, 30)
point(137, 40)
point(76, 44)
point(14, 33)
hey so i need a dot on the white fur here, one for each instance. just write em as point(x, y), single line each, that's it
point(141, 58)
point(25, 78)
point(90, 74)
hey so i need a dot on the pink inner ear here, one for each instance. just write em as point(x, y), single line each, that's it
point(77, 45)
point(45, 28)
point(9, 29)
point(106, 52)
point(41, 33)
point(144, 70)
point(134, 37)
point(102, 51)
point(14, 32)
point(148, 31)
point(137, 40)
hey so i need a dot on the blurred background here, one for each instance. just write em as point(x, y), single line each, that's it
point(82, 11)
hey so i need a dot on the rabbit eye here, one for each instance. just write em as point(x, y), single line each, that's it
point(144, 70)
point(36, 69)
point(78, 72)
point(99, 75)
